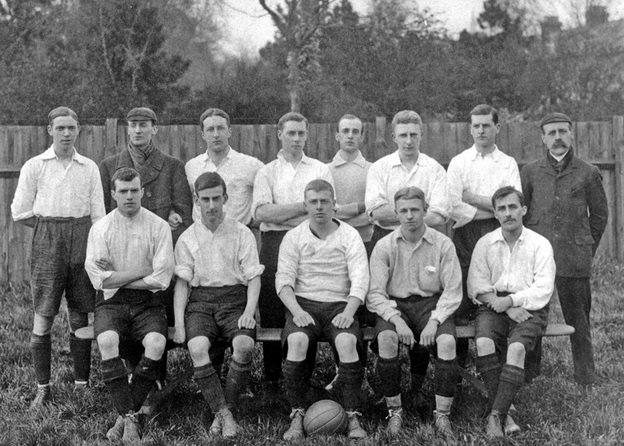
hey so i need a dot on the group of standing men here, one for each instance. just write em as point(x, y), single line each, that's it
point(318, 225)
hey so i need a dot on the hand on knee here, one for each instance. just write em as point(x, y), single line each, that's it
point(445, 345)
point(388, 343)
point(516, 354)
point(297, 346)
point(485, 346)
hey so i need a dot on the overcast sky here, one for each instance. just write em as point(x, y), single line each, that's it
point(248, 27)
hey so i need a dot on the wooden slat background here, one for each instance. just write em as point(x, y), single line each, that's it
point(597, 142)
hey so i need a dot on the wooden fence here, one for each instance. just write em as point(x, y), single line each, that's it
point(597, 142)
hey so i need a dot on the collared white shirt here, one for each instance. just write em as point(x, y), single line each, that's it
point(225, 257)
point(527, 271)
point(387, 175)
point(46, 188)
point(350, 183)
point(327, 270)
point(129, 243)
point(238, 171)
point(279, 182)
point(401, 269)
point(481, 175)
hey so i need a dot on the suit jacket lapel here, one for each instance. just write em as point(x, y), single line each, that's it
point(152, 167)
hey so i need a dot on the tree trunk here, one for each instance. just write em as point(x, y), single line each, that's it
point(294, 81)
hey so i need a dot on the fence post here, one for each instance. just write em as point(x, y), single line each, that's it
point(380, 136)
point(618, 148)
point(110, 134)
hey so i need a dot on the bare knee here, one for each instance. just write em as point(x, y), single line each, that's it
point(297, 346)
point(346, 347)
point(388, 343)
point(108, 343)
point(485, 346)
point(515, 354)
point(42, 325)
point(198, 348)
point(445, 345)
point(242, 346)
point(154, 344)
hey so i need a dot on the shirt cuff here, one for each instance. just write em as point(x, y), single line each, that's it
point(156, 284)
point(516, 301)
point(254, 272)
point(23, 215)
point(184, 273)
point(101, 277)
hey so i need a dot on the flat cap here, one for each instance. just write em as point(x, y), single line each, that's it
point(554, 117)
point(141, 114)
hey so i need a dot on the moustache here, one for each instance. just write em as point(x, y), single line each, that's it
point(560, 144)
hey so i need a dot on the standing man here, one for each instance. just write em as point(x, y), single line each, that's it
point(237, 169)
point(166, 191)
point(217, 262)
point(322, 279)
point(277, 194)
point(129, 259)
point(567, 205)
point(473, 176)
point(406, 167)
point(415, 289)
point(511, 279)
point(59, 194)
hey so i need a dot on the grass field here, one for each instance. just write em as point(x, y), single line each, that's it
point(550, 410)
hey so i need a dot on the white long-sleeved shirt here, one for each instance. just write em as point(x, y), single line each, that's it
point(238, 171)
point(527, 271)
point(387, 175)
point(327, 270)
point(278, 182)
point(46, 188)
point(401, 269)
point(129, 243)
point(481, 175)
point(225, 257)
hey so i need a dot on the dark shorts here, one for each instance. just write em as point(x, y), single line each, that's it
point(416, 311)
point(323, 330)
point(59, 247)
point(132, 314)
point(503, 331)
point(214, 312)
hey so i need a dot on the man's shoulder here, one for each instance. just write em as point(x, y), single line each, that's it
point(154, 220)
point(534, 237)
point(429, 162)
point(584, 165)
point(248, 159)
point(195, 160)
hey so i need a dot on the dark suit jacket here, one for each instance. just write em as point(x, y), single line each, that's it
point(569, 209)
point(164, 181)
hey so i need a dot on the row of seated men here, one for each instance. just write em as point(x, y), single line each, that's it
point(57, 193)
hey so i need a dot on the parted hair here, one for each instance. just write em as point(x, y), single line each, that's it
point(213, 112)
point(318, 186)
point(485, 109)
point(406, 117)
point(291, 116)
point(208, 180)
point(348, 116)
point(61, 111)
point(411, 193)
point(507, 190)
point(124, 174)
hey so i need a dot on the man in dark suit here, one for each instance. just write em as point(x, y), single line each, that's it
point(567, 204)
point(166, 190)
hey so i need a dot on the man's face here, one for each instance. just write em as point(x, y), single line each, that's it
point(141, 132)
point(320, 206)
point(293, 136)
point(557, 136)
point(216, 133)
point(411, 214)
point(509, 212)
point(211, 203)
point(349, 135)
point(483, 130)
point(407, 138)
point(64, 131)
point(128, 196)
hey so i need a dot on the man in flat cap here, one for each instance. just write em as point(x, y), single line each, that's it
point(567, 205)
point(166, 191)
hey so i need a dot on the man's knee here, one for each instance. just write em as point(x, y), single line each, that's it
point(154, 344)
point(346, 344)
point(108, 343)
point(77, 319)
point(485, 346)
point(516, 354)
point(242, 345)
point(198, 347)
point(445, 345)
point(297, 345)
point(42, 325)
point(388, 343)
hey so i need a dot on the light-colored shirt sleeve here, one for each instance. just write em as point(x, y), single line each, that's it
point(375, 195)
point(460, 211)
point(184, 262)
point(163, 262)
point(248, 256)
point(451, 280)
point(97, 196)
point(262, 190)
point(539, 293)
point(438, 202)
point(480, 280)
point(96, 249)
point(287, 263)
point(357, 265)
point(24, 198)
point(377, 300)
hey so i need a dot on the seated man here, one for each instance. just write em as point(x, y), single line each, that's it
point(322, 279)
point(217, 258)
point(511, 278)
point(129, 258)
point(415, 289)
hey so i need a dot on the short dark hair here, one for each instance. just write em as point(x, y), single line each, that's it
point(61, 111)
point(208, 180)
point(505, 191)
point(406, 117)
point(319, 186)
point(291, 116)
point(411, 193)
point(213, 112)
point(124, 174)
point(485, 109)
point(349, 116)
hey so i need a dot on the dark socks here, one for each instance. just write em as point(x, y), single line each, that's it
point(41, 348)
point(115, 377)
point(143, 378)
point(489, 368)
point(80, 350)
point(511, 378)
point(236, 380)
point(389, 372)
point(209, 383)
point(351, 375)
point(296, 382)
point(446, 375)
